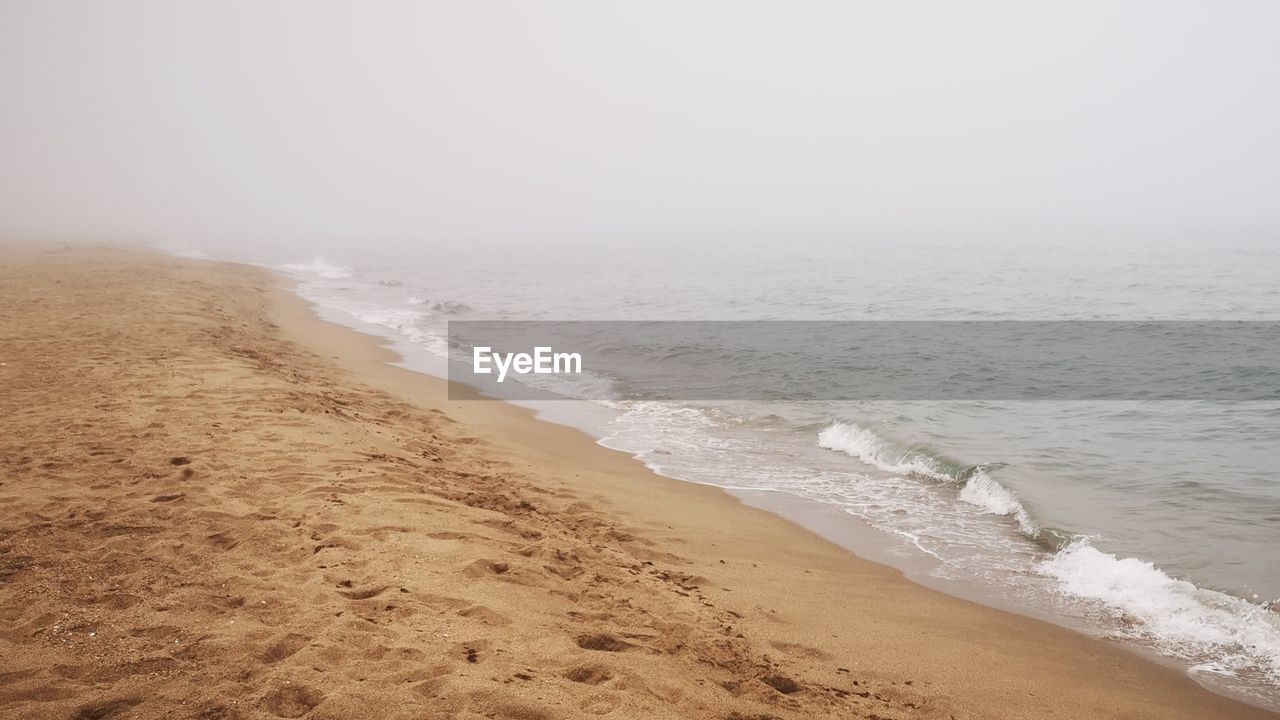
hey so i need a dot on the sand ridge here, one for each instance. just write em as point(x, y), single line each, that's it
point(204, 517)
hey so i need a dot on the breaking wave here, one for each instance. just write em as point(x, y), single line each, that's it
point(977, 487)
point(443, 307)
point(1221, 633)
point(1215, 632)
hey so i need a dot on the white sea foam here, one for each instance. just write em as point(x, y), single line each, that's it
point(319, 267)
point(872, 449)
point(1226, 634)
point(1215, 632)
point(440, 307)
point(979, 489)
point(983, 491)
point(408, 323)
point(989, 495)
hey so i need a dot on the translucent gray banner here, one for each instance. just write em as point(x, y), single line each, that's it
point(788, 361)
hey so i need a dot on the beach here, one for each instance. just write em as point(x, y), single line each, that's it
point(217, 505)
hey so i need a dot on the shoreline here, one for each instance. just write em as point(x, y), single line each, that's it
point(845, 530)
point(850, 534)
point(522, 548)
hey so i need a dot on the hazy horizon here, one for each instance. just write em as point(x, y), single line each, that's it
point(389, 123)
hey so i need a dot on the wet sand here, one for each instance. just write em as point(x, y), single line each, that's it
point(217, 505)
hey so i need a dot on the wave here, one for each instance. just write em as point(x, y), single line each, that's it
point(1216, 632)
point(978, 487)
point(984, 492)
point(861, 443)
point(1222, 633)
point(319, 267)
point(443, 307)
point(406, 322)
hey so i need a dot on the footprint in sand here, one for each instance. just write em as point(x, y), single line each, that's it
point(600, 703)
point(480, 568)
point(106, 709)
point(118, 601)
point(484, 615)
point(364, 594)
point(800, 651)
point(292, 701)
point(222, 541)
point(782, 684)
point(432, 687)
point(589, 674)
point(603, 642)
point(285, 647)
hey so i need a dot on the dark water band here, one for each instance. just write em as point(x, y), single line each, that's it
point(791, 361)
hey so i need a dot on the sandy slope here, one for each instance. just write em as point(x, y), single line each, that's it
point(216, 506)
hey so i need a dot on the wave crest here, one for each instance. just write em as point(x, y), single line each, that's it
point(442, 307)
point(978, 488)
point(859, 442)
point(1226, 634)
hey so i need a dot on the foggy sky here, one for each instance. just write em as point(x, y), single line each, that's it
point(398, 122)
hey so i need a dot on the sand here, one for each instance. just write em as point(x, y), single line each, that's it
point(216, 505)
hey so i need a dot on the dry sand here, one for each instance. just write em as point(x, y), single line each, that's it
point(217, 506)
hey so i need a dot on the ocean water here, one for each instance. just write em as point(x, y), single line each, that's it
point(1157, 523)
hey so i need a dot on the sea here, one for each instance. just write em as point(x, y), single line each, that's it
point(1151, 523)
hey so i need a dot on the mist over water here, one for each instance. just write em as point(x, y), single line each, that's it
point(396, 124)
point(412, 163)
